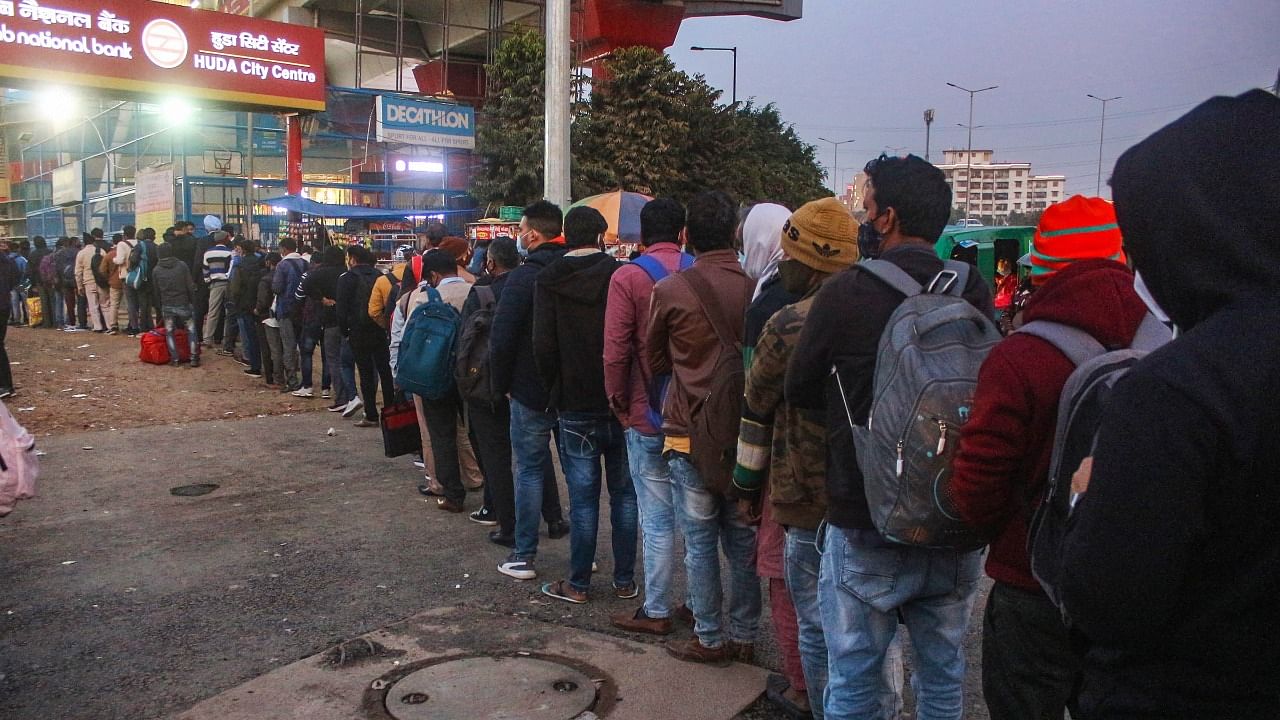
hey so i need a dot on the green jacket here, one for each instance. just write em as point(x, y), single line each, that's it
point(785, 445)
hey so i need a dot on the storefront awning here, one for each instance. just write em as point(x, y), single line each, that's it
point(293, 203)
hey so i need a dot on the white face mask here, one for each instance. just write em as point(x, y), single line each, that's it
point(1140, 287)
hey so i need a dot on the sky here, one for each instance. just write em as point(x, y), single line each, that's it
point(867, 69)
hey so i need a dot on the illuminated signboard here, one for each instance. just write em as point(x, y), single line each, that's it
point(144, 48)
point(422, 122)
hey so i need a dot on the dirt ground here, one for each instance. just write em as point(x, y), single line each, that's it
point(71, 382)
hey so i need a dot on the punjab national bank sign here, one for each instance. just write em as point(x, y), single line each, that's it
point(143, 48)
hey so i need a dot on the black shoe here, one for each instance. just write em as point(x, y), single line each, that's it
point(497, 537)
point(6, 393)
point(484, 516)
point(253, 373)
point(557, 530)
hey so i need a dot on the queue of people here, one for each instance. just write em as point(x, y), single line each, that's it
point(725, 386)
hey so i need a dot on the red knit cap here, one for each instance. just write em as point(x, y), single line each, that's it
point(1080, 228)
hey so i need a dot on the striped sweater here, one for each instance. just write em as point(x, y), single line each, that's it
point(217, 264)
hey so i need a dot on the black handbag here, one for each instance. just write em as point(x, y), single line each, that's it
point(400, 435)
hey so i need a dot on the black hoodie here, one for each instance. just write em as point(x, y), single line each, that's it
point(568, 331)
point(511, 336)
point(1172, 557)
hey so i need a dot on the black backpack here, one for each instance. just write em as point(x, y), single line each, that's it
point(98, 276)
point(364, 290)
point(1080, 408)
point(67, 269)
point(471, 371)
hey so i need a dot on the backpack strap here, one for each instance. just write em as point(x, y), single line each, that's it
point(656, 270)
point(952, 280)
point(1078, 345)
point(893, 276)
point(1151, 334)
point(485, 293)
point(711, 308)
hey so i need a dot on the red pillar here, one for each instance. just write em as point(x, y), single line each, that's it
point(293, 155)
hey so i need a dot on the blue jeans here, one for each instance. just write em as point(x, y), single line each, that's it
point(801, 562)
point(863, 585)
point(173, 316)
point(710, 522)
point(652, 479)
point(249, 337)
point(587, 438)
point(348, 372)
point(531, 432)
point(307, 341)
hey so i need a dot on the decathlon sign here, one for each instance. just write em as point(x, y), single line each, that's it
point(422, 122)
point(143, 49)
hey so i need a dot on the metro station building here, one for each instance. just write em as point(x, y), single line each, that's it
point(141, 112)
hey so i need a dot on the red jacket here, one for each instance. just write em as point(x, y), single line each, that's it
point(626, 321)
point(1002, 467)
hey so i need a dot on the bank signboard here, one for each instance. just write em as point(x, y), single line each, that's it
point(148, 49)
point(426, 123)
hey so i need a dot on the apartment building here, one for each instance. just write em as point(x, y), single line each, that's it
point(997, 189)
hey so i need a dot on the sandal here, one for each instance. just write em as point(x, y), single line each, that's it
point(562, 590)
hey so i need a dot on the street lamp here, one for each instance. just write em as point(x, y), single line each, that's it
point(733, 50)
point(968, 169)
point(835, 161)
point(1101, 133)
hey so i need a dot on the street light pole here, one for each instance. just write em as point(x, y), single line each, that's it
point(733, 50)
point(1102, 132)
point(968, 168)
point(835, 161)
point(555, 184)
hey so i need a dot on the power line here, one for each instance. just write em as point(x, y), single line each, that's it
point(1026, 124)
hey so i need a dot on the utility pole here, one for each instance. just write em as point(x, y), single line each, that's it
point(968, 156)
point(835, 162)
point(555, 186)
point(1102, 132)
point(928, 121)
point(734, 50)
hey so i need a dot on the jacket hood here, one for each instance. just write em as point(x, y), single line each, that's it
point(1096, 296)
point(545, 254)
point(251, 262)
point(1196, 203)
point(167, 263)
point(584, 278)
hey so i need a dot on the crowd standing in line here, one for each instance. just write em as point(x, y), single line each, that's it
point(733, 398)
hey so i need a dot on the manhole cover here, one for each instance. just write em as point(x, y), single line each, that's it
point(192, 490)
point(527, 688)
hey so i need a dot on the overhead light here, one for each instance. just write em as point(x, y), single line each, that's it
point(177, 111)
point(56, 103)
point(422, 166)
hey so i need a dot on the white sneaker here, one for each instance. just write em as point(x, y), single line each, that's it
point(518, 568)
point(324, 394)
point(303, 393)
point(353, 407)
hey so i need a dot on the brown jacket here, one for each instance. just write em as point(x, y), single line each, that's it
point(680, 339)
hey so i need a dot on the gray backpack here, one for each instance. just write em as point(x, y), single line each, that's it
point(926, 372)
point(1080, 407)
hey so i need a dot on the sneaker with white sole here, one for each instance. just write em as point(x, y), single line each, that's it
point(303, 392)
point(518, 568)
point(352, 407)
point(324, 394)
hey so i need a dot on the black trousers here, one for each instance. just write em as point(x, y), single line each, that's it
point(491, 436)
point(6, 374)
point(442, 416)
point(373, 363)
point(1030, 669)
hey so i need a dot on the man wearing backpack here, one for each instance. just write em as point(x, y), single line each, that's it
point(568, 341)
point(627, 383)
point(64, 261)
point(1029, 667)
point(443, 414)
point(368, 341)
point(1171, 561)
point(515, 375)
point(284, 283)
point(866, 581)
point(696, 325)
point(242, 291)
point(86, 269)
point(123, 249)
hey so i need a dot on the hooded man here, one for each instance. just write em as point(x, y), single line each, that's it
point(177, 294)
point(568, 342)
point(1029, 667)
point(1171, 559)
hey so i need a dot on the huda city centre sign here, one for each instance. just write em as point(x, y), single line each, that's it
point(142, 48)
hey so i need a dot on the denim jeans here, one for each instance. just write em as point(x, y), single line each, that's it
point(652, 479)
point(865, 582)
point(586, 439)
point(333, 364)
point(249, 337)
point(801, 563)
point(173, 317)
point(273, 348)
point(531, 432)
point(307, 342)
point(709, 523)
point(347, 367)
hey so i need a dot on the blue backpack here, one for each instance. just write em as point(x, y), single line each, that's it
point(425, 367)
point(658, 385)
point(139, 266)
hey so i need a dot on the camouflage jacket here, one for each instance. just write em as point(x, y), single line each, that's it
point(786, 445)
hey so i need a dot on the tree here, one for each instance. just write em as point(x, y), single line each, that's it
point(509, 133)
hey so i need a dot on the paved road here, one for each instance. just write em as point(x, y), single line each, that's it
point(121, 600)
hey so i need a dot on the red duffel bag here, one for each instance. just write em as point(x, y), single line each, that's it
point(155, 350)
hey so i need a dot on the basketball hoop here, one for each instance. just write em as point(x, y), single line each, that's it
point(223, 163)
